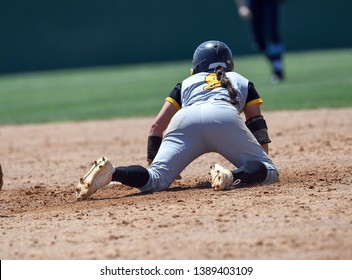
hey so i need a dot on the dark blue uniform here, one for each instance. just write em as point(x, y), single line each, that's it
point(266, 32)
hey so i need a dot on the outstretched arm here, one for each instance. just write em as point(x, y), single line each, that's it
point(157, 129)
point(162, 120)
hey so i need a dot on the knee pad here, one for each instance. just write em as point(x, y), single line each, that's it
point(253, 172)
point(274, 50)
point(256, 172)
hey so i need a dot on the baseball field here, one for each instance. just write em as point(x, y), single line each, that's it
point(53, 125)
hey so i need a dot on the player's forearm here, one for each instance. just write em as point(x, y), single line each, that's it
point(156, 130)
point(163, 119)
point(266, 148)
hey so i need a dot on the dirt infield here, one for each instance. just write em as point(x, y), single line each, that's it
point(307, 215)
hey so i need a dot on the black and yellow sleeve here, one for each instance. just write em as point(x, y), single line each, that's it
point(175, 97)
point(253, 96)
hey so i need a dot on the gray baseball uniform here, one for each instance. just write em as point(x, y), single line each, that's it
point(207, 122)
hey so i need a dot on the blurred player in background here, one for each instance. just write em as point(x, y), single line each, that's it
point(263, 16)
point(200, 115)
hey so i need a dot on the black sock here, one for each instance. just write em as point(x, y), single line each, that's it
point(133, 175)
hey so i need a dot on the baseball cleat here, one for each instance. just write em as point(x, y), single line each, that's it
point(98, 176)
point(221, 178)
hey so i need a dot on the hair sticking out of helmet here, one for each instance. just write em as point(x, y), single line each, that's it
point(226, 83)
point(210, 55)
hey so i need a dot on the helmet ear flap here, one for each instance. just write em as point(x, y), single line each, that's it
point(194, 70)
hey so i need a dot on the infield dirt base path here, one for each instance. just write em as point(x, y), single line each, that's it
point(307, 215)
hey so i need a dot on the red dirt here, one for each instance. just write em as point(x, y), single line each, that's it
point(307, 215)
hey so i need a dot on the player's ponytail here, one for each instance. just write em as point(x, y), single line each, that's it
point(226, 83)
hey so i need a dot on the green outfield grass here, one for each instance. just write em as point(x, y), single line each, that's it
point(314, 80)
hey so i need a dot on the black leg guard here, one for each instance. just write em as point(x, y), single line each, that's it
point(253, 172)
point(133, 176)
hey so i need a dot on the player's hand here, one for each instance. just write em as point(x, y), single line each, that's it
point(245, 13)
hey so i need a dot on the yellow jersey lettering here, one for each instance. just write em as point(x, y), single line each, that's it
point(212, 82)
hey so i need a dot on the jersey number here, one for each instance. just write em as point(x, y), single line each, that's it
point(212, 82)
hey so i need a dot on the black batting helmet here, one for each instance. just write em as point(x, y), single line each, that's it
point(210, 55)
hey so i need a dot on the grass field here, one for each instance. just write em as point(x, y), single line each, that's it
point(314, 80)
